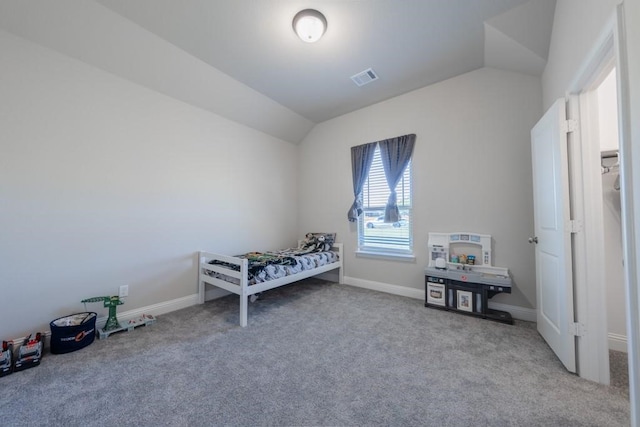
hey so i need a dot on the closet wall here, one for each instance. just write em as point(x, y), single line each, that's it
point(608, 124)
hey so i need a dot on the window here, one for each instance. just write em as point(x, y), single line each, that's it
point(374, 235)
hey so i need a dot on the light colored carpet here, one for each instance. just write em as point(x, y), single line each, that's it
point(314, 353)
point(619, 367)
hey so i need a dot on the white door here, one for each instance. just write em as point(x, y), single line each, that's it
point(554, 288)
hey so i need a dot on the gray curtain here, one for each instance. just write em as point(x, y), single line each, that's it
point(396, 153)
point(361, 158)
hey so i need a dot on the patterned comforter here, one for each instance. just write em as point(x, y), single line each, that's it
point(265, 266)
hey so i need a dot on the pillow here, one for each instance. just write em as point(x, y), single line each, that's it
point(318, 242)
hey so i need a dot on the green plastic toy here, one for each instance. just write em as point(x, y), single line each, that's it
point(112, 303)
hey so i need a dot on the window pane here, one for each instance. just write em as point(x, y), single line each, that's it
point(373, 233)
point(376, 234)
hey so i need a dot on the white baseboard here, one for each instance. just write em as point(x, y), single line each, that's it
point(154, 309)
point(385, 287)
point(517, 312)
point(520, 313)
point(617, 342)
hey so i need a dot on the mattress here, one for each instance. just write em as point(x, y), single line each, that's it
point(274, 265)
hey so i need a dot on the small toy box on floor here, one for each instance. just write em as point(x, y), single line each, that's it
point(6, 358)
point(73, 332)
point(29, 353)
point(127, 325)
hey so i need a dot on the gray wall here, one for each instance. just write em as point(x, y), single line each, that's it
point(106, 183)
point(472, 172)
point(577, 25)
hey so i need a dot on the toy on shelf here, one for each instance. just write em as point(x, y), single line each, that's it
point(112, 325)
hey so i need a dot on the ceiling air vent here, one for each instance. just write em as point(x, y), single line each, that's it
point(364, 77)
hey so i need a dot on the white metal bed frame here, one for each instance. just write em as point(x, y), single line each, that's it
point(243, 289)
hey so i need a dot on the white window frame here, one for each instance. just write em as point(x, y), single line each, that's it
point(405, 205)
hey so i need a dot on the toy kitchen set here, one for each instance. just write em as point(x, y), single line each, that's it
point(460, 276)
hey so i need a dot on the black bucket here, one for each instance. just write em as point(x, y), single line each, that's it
point(73, 332)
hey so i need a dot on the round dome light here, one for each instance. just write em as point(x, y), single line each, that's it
point(309, 25)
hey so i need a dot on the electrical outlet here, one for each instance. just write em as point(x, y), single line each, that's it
point(124, 291)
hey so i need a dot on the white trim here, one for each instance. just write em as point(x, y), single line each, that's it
point(617, 342)
point(154, 309)
point(592, 349)
point(628, 205)
point(598, 62)
point(406, 257)
point(385, 287)
point(590, 293)
point(519, 313)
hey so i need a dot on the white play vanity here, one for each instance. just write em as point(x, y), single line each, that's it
point(461, 278)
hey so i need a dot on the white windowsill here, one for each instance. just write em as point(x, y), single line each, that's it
point(386, 255)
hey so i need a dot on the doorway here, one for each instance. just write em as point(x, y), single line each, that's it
point(594, 157)
point(609, 50)
point(608, 135)
point(586, 118)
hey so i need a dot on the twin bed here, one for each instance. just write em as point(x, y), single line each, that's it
point(250, 274)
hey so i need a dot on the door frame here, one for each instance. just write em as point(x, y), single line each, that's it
point(629, 205)
point(609, 49)
point(586, 206)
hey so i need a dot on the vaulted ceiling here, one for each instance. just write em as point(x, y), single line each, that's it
point(242, 60)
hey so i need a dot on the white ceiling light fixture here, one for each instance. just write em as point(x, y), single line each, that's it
point(309, 25)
